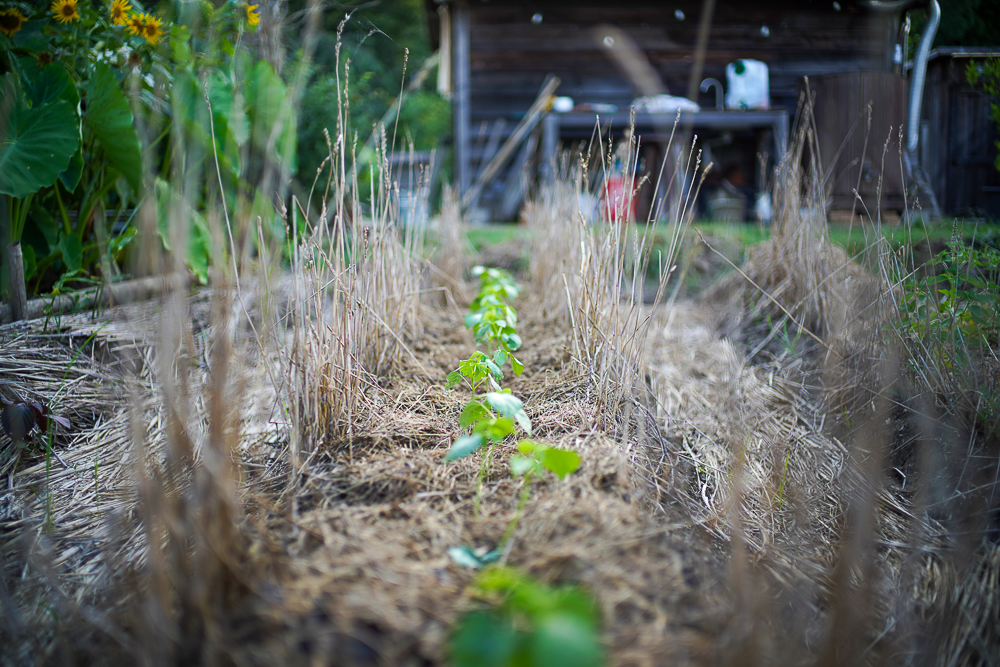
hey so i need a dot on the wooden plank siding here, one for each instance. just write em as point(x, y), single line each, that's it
point(960, 138)
point(858, 148)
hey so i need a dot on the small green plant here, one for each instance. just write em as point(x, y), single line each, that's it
point(526, 623)
point(959, 306)
point(535, 459)
point(492, 320)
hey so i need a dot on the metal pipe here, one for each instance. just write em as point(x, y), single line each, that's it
point(919, 74)
point(708, 83)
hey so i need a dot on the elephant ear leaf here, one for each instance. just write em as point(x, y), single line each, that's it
point(109, 117)
point(50, 84)
point(36, 144)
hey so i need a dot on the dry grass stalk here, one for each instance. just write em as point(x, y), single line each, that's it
point(356, 292)
point(601, 268)
point(451, 258)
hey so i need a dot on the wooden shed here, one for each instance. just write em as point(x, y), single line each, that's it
point(497, 54)
point(958, 142)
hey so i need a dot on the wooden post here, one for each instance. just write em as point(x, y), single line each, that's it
point(460, 103)
point(18, 292)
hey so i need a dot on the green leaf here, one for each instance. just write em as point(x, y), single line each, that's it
point(473, 412)
point(465, 557)
point(51, 84)
point(72, 252)
point(28, 259)
point(564, 640)
point(483, 639)
point(516, 365)
point(464, 446)
point(109, 117)
point(271, 118)
point(561, 462)
point(454, 378)
point(510, 406)
point(493, 368)
point(529, 446)
point(519, 465)
point(495, 429)
point(35, 144)
point(198, 245)
point(71, 176)
point(473, 319)
point(499, 358)
point(513, 341)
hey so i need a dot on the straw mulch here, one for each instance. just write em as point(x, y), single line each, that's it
point(713, 519)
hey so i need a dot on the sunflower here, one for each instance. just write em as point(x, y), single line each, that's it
point(136, 24)
point(119, 12)
point(10, 21)
point(253, 18)
point(64, 10)
point(151, 29)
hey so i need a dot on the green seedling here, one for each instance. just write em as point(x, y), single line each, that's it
point(536, 458)
point(497, 282)
point(526, 623)
point(475, 370)
point(494, 326)
point(486, 426)
point(493, 321)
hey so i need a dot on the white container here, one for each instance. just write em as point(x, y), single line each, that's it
point(748, 85)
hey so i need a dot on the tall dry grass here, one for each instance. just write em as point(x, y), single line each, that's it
point(356, 293)
point(599, 266)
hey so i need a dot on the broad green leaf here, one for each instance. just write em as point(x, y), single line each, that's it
point(529, 446)
point(473, 319)
point(472, 413)
point(483, 639)
point(519, 465)
point(510, 406)
point(72, 252)
point(561, 462)
point(516, 365)
point(454, 378)
point(513, 341)
point(109, 117)
point(494, 369)
point(71, 176)
point(495, 429)
point(499, 358)
point(564, 640)
point(28, 260)
point(36, 144)
point(51, 84)
point(504, 403)
point(478, 270)
point(464, 446)
point(172, 208)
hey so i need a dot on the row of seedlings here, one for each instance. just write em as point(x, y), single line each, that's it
point(517, 621)
point(493, 412)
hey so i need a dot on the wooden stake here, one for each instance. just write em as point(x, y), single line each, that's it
point(18, 291)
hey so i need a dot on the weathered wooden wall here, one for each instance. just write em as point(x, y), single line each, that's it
point(859, 117)
point(960, 137)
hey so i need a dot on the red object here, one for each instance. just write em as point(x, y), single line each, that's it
point(618, 203)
